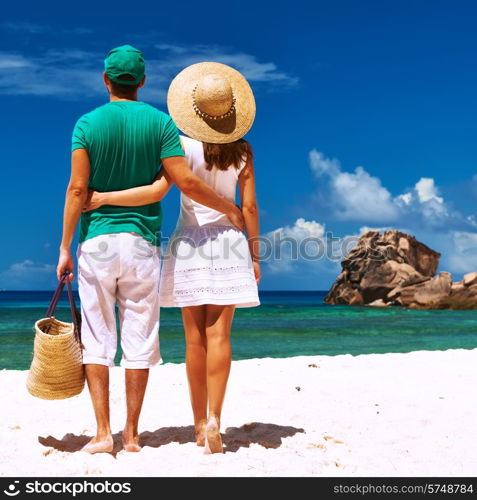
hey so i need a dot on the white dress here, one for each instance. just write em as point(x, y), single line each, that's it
point(207, 260)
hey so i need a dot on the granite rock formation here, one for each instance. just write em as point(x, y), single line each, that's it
point(394, 268)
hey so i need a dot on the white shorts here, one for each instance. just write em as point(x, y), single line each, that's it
point(120, 268)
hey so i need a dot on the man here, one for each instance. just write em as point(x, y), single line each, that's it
point(118, 146)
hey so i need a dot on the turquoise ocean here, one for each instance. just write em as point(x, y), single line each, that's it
point(286, 324)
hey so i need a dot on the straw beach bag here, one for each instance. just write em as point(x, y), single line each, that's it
point(56, 371)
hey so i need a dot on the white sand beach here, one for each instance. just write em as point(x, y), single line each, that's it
point(372, 415)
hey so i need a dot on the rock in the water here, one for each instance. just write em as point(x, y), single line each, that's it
point(379, 303)
point(427, 294)
point(349, 296)
point(394, 268)
point(464, 298)
point(457, 286)
point(379, 263)
point(386, 277)
point(470, 279)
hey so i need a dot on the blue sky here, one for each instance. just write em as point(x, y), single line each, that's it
point(366, 118)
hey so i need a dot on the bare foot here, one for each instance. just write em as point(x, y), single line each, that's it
point(200, 432)
point(213, 439)
point(99, 445)
point(131, 442)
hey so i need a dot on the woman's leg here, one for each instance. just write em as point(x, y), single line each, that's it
point(218, 324)
point(196, 358)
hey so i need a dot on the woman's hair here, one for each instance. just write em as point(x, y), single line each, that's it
point(222, 156)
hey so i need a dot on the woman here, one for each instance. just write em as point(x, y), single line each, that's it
point(209, 267)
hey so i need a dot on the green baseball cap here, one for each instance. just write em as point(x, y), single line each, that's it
point(125, 60)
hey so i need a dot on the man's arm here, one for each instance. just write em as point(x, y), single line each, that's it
point(199, 191)
point(76, 195)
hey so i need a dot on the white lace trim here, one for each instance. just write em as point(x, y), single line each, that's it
point(209, 269)
point(209, 290)
point(212, 228)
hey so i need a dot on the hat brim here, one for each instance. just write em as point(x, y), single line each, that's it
point(181, 109)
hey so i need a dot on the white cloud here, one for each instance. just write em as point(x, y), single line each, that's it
point(306, 247)
point(171, 48)
point(465, 242)
point(434, 210)
point(79, 31)
point(181, 56)
point(361, 196)
point(354, 196)
point(28, 266)
point(25, 27)
point(424, 201)
point(303, 229)
point(463, 257)
point(75, 74)
point(471, 220)
point(321, 165)
point(427, 190)
point(39, 29)
point(284, 244)
point(12, 62)
point(28, 275)
point(405, 198)
point(52, 73)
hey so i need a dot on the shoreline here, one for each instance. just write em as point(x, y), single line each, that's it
point(273, 358)
point(393, 414)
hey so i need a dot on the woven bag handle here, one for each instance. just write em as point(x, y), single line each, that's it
point(56, 297)
point(75, 316)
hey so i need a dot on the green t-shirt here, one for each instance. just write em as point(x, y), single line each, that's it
point(126, 141)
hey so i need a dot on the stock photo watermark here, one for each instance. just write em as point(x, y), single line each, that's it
point(66, 488)
point(270, 248)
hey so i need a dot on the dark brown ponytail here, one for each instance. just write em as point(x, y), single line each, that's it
point(222, 156)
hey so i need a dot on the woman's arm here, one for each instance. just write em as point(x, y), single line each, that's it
point(134, 197)
point(250, 213)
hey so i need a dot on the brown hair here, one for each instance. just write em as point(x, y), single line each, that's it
point(124, 90)
point(222, 156)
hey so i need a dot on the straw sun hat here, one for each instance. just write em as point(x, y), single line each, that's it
point(211, 102)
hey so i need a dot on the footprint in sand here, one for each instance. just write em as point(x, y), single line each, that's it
point(319, 446)
point(337, 441)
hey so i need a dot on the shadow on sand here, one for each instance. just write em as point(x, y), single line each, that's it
point(234, 438)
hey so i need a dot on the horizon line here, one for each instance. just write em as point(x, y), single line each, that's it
point(260, 291)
